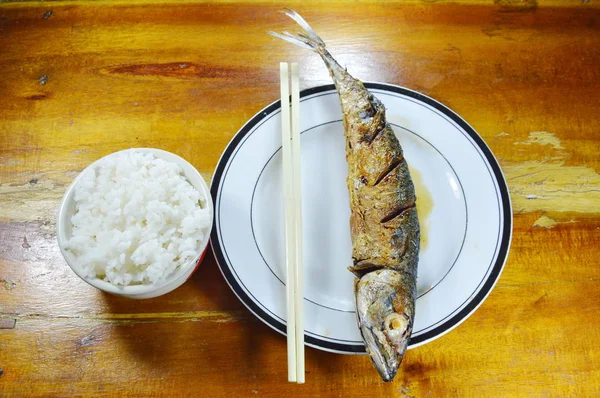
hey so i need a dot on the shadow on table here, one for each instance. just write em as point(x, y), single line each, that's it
point(201, 322)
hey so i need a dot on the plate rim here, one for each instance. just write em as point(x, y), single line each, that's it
point(438, 331)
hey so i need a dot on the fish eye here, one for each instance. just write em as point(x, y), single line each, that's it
point(396, 322)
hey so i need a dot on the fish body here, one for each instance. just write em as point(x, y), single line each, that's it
point(383, 222)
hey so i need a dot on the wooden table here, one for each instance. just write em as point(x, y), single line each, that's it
point(83, 79)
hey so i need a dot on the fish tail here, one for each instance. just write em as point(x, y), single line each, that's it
point(311, 41)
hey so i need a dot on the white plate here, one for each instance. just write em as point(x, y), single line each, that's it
point(467, 231)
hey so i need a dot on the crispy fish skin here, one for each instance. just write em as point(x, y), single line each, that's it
point(384, 224)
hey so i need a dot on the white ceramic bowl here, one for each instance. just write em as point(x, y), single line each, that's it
point(173, 281)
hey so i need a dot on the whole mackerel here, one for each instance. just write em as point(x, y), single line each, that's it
point(383, 221)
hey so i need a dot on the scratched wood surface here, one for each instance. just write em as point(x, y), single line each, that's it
point(82, 79)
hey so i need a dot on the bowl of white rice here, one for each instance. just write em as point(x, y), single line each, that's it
point(136, 223)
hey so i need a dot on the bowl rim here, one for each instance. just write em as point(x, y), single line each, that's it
point(61, 220)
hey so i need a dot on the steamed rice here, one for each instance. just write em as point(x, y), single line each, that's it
point(137, 219)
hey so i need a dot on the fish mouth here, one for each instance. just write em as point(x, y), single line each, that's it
point(385, 360)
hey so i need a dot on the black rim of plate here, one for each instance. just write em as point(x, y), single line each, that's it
point(448, 324)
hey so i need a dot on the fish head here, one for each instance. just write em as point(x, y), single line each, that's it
point(385, 311)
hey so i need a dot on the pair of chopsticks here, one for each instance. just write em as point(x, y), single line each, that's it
point(290, 140)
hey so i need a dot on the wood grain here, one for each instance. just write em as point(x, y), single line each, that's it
point(90, 78)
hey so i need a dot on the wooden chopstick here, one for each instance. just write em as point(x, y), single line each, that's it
point(297, 185)
point(288, 193)
point(292, 183)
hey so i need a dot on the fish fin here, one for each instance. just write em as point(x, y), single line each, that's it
point(291, 39)
point(308, 39)
point(307, 28)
